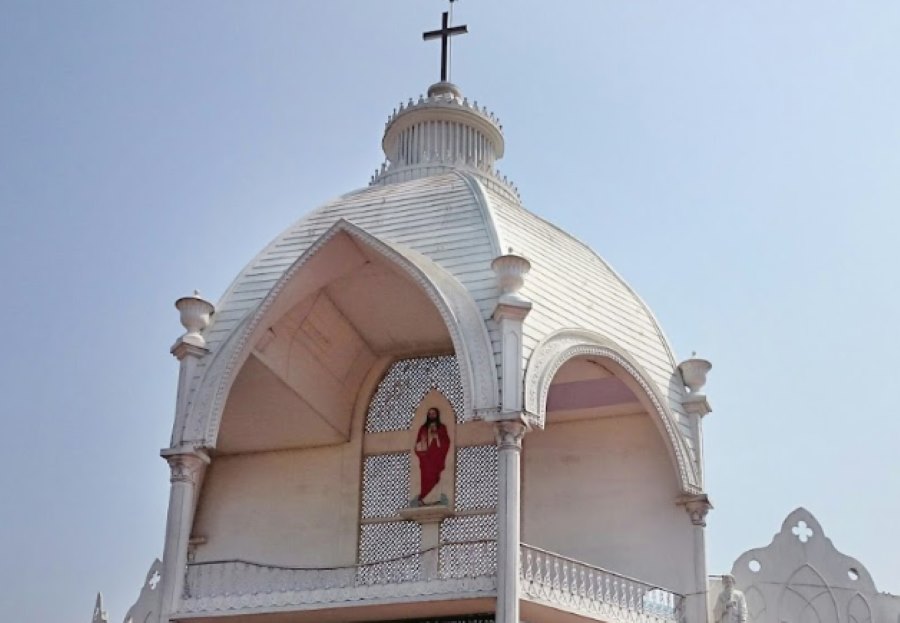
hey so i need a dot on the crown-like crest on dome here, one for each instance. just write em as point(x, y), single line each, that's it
point(441, 131)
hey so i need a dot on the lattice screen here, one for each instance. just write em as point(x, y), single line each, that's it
point(476, 477)
point(385, 488)
point(397, 543)
point(477, 555)
point(405, 385)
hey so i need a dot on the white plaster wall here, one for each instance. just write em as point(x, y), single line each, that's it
point(887, 608)
point(603, 491)
point(295, 507)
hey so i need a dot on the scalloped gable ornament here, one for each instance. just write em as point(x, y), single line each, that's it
point(800, 577)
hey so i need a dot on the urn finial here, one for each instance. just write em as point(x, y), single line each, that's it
point(511, 270)
point(195, 312)
point(693, 373)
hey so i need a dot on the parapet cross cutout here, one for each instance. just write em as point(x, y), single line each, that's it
point(802, 531)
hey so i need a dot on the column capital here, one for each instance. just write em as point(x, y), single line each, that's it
point(697, 507)
point(185, 463)
point(509, 434)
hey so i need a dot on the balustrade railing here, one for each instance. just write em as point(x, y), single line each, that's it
point(596, 592)
point(457, 568)
point(468, 566)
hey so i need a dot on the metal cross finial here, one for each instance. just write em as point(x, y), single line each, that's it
point(444, 34)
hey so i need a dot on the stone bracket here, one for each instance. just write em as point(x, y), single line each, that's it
point(426, 514)
point(697, 506)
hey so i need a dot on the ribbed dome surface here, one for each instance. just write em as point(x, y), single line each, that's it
point(462, 221)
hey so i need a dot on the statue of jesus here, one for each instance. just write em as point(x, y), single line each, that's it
point(731, 606)
point(432, 445)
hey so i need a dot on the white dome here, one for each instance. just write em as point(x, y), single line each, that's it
point(460, 215)
point(462, 222)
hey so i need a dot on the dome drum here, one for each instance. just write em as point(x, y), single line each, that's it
point(442, 128)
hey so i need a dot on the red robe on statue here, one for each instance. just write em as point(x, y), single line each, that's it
point(432, 445)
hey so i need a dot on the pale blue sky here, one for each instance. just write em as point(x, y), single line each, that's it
point(737, 162)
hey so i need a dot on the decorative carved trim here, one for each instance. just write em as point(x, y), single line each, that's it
point(459, 313)
point(560, 347)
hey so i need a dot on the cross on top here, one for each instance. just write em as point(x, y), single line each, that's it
point(154, 580)
point(444, 35)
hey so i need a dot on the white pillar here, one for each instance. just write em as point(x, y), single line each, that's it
point(186, 462)
point(186, 470)
point(510, 313)
point(696, 610)
point(189, 348)
point(509, 442)
point(693, 373)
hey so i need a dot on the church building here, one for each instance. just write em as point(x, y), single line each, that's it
point(422, 402)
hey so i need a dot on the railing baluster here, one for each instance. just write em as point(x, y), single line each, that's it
point(545, 576)
point(564, 577)
point(529, 573)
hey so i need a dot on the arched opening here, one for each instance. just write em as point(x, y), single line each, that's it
point(298, 384)
point(598, 482)
point(284, 484)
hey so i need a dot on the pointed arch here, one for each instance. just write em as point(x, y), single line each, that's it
point(756, 604)
point(858, 610)
point(807, 598)
point(458, 311)
point(561, 346)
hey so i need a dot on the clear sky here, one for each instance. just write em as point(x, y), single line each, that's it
point(737, 162)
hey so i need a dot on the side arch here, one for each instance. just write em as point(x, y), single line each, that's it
point(807, 598)
point(858, 610)
point(561, 346)
point(459, 312)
